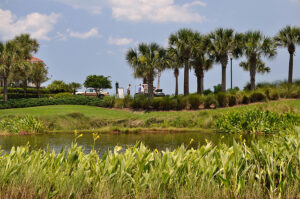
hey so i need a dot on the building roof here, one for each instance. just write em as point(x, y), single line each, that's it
point(35, 59)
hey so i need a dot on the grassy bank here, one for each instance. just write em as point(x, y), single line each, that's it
point(260, 170)
point(66, 118)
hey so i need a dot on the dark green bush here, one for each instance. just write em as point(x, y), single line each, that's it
point(209, 101)
point(181, 102)
point(207, 92)
point(140, 102)
point(108, 101)
point(257, 96)
point(194, 101)
point(232, 99)
point(223, 99)
point(245, 98)
point(63, 95)
point(272, 94)
point(75, 100)
point(166, 103)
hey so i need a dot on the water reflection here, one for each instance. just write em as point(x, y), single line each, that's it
point(109, 141)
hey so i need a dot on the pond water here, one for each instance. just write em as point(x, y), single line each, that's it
point(159, 141)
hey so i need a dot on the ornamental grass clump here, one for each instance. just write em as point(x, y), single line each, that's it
point(259, 170)
point(256, 121)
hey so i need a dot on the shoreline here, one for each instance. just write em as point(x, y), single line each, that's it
point(116, 131)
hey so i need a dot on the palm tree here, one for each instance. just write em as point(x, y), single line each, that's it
point(144, 61)
point(14, 54)
point(183, 41)
point(289, 37)
point(220, 43)
point(260, 66)
point(174, 62)
point(255, 46)
point(161, 65)
point(200, 62)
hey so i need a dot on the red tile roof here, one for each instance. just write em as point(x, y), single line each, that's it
point(35, 59)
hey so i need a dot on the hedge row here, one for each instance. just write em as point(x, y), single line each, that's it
point(190, 102)
point(75, 100)
point(30, 90)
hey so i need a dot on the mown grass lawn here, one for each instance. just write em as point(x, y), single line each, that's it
point(102, 113)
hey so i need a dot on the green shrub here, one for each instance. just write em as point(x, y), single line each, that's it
point(108, 101)
point(63, 95)
point(155, 103)
point(74, 100)
point(272, 94)
point(245, 98)
point(223, 99)
point(207, 92)
point(255, 121)
point(257, 96)
point(127, 101)
point(232, 100)
point(181, 102)
point(140, 102)
point(209, 101)
point(166, 103)
point(119, 103)
point(194, 101)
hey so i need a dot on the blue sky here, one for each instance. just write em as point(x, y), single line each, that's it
point(83, 37)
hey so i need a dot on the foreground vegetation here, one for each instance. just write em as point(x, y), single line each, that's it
point(67, 118)
point(259, 170)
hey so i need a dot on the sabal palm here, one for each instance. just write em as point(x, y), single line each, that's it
point(174, 61)
point(260, 66)
point(183, 41)
point(256, 45)
point(200, 61)
point(144, 60)
point(220, 43)
point(289, 37)
point(9, 58)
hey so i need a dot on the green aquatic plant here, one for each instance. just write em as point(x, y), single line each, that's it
point(25, 124)
point(256, 121)
point(259, 170)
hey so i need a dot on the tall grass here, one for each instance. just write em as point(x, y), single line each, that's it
point(260, 170)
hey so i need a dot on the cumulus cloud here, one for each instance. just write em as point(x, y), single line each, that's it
point(119, 41)
point(159, 11)
point(36, 24)
point(84, 35)
point(92, 6)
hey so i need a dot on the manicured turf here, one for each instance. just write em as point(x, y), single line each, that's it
point(100, 113)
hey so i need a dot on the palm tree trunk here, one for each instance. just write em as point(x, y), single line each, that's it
point(186, 77)
point(144, 80)
point(224, 61)
point(202, 82)
point(158, 79)
point(290, 80)
point(252, 72)
point(150, 86)
point(5, 89)
point(198, 84)
point(176, 74)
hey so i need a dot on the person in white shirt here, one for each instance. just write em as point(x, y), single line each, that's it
point(128, 89)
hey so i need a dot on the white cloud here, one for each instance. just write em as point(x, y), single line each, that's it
point(92, 6)
point(84, 35)
point(297, 2)
point(119, 41)
point(159, 11)
point(36, 24)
